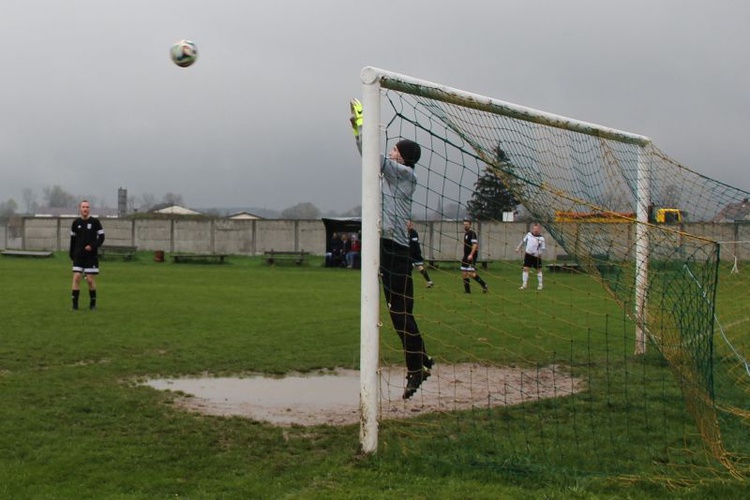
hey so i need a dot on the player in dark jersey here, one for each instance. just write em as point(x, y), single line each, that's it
point(86, 236)
point(415, 252)
point(471, 249)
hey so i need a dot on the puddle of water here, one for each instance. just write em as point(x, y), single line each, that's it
point(299, 399)
point(315, 391)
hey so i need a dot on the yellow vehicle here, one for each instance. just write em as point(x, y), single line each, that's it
point(668, 216)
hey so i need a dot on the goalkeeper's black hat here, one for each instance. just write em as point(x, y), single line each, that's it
point(410, 151)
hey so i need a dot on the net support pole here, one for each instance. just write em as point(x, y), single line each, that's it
point(643, 200)
point(370, 262)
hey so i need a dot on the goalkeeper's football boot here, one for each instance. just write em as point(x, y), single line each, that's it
point(414, 380)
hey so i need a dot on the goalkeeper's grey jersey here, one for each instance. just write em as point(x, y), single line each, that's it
point(398, 185)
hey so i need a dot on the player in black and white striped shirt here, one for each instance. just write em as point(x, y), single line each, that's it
point(468, 262)
point(86, 236)
point(534, 245)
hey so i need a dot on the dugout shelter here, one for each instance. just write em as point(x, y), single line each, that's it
point(340, 225)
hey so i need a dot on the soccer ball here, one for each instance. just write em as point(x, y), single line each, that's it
point(184, 53)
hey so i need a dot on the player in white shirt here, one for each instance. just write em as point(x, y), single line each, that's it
point(534, 245)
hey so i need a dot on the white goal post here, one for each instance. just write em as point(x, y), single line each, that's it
point(374, 81)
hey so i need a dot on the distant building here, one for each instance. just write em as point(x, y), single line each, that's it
point(243, 216)
point(176, 210)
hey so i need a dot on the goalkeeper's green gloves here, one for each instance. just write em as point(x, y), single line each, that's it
point(356, 118)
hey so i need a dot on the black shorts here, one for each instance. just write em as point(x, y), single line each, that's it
point(467, 265)
point(532, 261)
point(88, 264)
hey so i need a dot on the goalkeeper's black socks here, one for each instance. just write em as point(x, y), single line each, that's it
point(467, 285)
point(92, 297)
point(74, 296)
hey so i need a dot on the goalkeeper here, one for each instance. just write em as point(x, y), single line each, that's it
point(398, 183)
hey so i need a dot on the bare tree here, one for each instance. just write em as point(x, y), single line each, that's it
point(29, 200)
point(8, 208)
point(670, 197)
point(301, 211)
point(615, 201)
point(173, 199)
point(56, 196)
point(353, 212)
point(149, 202)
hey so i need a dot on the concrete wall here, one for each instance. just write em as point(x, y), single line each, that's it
point(278, 236)
point(191, 236)
point(234, 237)
point(46, 233)
point(440, 239)
point(118, 232)
point(151, 234)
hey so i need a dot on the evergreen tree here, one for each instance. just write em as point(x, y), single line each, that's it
point(491, 196)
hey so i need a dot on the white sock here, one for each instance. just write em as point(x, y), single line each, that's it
point(525, 278)
point(539, 279)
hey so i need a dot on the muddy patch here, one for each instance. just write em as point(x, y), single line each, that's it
point(332, 397)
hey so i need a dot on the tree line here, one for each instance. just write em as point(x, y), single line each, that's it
point(491, 198)
point(58, 197)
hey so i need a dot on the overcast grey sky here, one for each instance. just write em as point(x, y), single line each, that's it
point(91, 102)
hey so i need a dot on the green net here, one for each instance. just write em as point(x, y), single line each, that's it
point(549, 381)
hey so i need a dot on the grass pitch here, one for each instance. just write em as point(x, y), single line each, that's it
point(74, 423)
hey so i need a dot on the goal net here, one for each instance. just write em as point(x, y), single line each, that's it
point(616, 365)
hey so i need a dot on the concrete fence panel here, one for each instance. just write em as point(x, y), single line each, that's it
point(152, 234)
point(192, 236)
point(234, 237)
point(279, 235)
point(118, 232)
